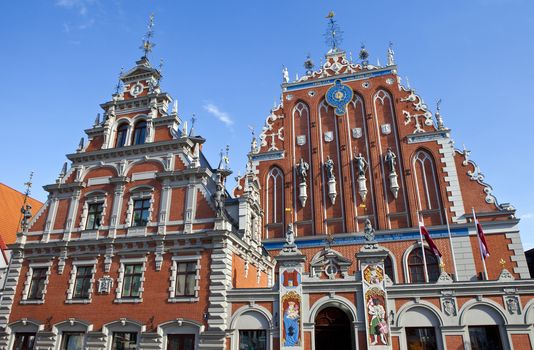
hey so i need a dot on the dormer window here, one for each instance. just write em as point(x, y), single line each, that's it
point(139, 134)
point(122, 130)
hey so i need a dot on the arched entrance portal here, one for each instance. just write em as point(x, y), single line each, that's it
point(333, 330)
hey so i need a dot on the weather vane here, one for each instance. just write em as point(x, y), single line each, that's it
point(147, 43)
point(333, 35)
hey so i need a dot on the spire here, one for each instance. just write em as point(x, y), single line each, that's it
point(97, 120)
point(253, 142)
point(333, 35)
point(175, 107)
point(147, 44)
point(439, 118)
point(80, 145)
point(62, 173)
point(193, 120)
point(224, 159)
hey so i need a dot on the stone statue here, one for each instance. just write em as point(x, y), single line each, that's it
point(391, 55)
point(218, 198)
point(390, 159)
point(369, 231)
point(329, 166)
point(303, 168)
point(361, 163)
point(285, 74)
point(290, 236)
point(26, 216)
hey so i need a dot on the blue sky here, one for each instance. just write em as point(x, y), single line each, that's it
point(223, 60)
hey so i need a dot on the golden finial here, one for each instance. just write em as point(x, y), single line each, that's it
point(442, 265)
point(331, 14)
point(147, 44)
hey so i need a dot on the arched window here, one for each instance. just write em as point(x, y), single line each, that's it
point(388, 267)
point(275, 196)
point(416, 266)
point(426, 181)
point(122, 130)
point(139, 134)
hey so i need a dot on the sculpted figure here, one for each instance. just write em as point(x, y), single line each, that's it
point(329, 166)
point(303, 168)
point(290, 235)
point(390, 159)
point(361, 163)
point(369, 231)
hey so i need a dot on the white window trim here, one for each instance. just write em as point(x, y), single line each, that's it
point(135, 194)
point(27, 283)
point(120, 280)
point(173, 298)
point(123, 325)
point(72, 281)
point(93, 198)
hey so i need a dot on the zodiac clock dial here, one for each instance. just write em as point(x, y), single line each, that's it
point(338, 96)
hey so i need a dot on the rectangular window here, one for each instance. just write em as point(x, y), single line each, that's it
point(423, 338)
point(82, 284)
point(141, 212)
point(124, 341)
point(37, 283)
point(94, 216)
point(132, 281)
point(181, 342)
point(186, 273)
point(253, 339)
point(72, 341)
point(24, 341)
point(485, 338)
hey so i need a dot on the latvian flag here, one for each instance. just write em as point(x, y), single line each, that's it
point(481, 238)
point(428, 239)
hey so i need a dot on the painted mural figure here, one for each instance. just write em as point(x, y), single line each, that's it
point(378, 325)
point(291, 324)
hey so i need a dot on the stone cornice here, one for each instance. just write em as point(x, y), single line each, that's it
point(120, 152)
point(64, 187)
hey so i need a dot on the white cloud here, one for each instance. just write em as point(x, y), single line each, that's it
point(79, 5)
point(217, 113)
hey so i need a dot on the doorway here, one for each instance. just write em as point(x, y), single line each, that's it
point(333, 330)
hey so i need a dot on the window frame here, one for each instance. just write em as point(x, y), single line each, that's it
point(96, 214)
point(120, 298)
point(144, 209)
point(114, 335)
point(139, 134)
point(24, 334)
point(65, 335)
point(122, 134)
point(176, 261)
point(71, 299)
point(430, 267)
point(26, 298)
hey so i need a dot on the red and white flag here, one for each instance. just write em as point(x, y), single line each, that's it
point(428, 239)
point(481, 238)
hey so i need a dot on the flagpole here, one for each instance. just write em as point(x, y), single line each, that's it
point(422, 246)
point(480, 245)
point(452, 246)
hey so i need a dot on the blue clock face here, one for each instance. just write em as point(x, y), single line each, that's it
point(338, 96)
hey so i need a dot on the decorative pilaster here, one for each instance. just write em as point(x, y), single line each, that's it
point(371, 261)
point(290, 268)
